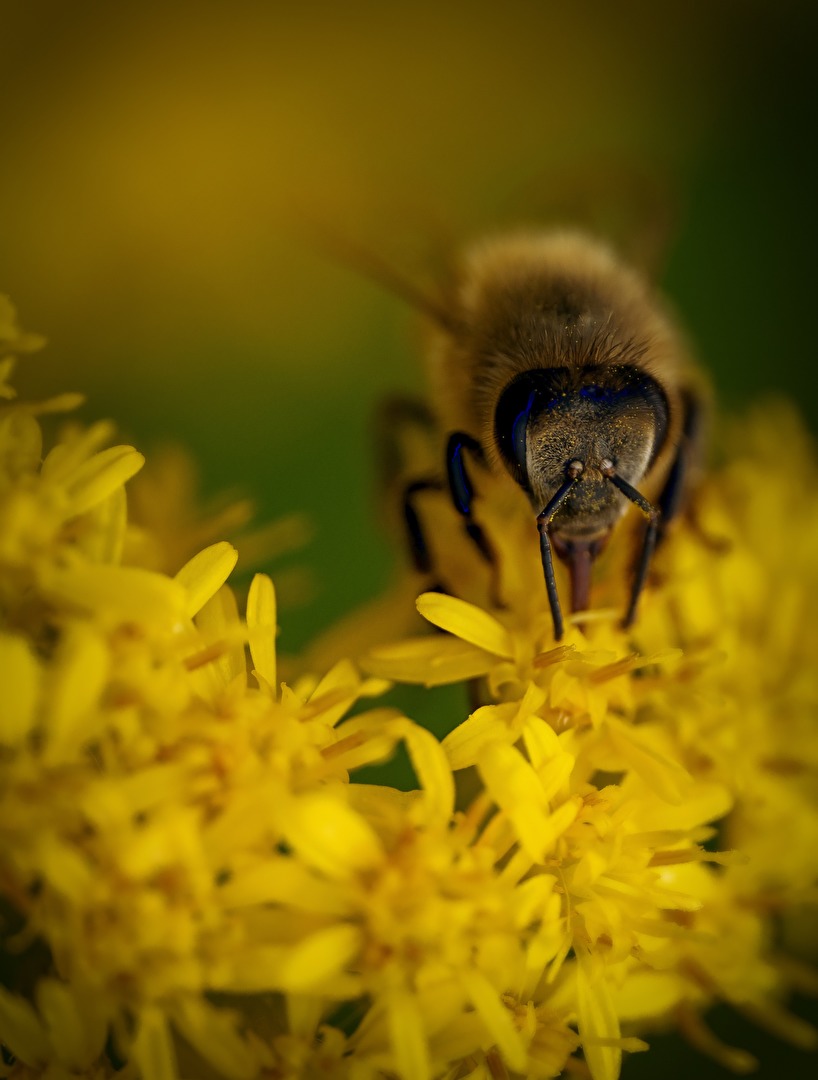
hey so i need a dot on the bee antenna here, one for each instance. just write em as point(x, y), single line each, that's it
point(352, 253)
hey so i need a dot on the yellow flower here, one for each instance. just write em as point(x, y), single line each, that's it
point(607, 755)
point(144, 767)
point(194, 882)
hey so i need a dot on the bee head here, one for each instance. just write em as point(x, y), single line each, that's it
point(547, 418)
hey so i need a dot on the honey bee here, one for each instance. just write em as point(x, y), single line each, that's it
point(554, 364)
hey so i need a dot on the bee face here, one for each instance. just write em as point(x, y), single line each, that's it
point(550, 417)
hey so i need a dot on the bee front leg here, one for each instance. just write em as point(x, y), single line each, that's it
point(654, 516)
point(672, 496)
point(648, 547)
point(462, 489)
point(462, 492)
point(415, 532)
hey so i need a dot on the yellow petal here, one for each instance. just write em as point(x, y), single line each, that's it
point(152, 1048)
point(119, 592)
point(204, 574)
point(330, 836)
point(315, 960)
point(261, 620)
point(566, 690)
point(284, 881)
point(169, 840)
point(258, 969)
point(66, 870)
point(597, 1019)
point(365, 739)
point(532, 700)
point(78, 678)
point(561, 819)
point(113, 800)
point(532, 896)
point(555, 775)
point(341, 676)
point(648, 993)
point(668, 778)
point(303, 1015)
point(487, 725)
point(102, 474)
point(407, 1035)
point(516, 788)
point(77, 1027)
point(63, 461)
point(497, 1018)
point(704, 801)
point(385, 808)
point(20, 677)
point(219, 619)
point(57, 403)
point(430, 661)
point(251, 970)
point(513, 785)
point(432, 770)
point(541, 741)
point(21, 1029)
point(467, 622)
point(336, 692)
point(106, 538)
point(214, 1034)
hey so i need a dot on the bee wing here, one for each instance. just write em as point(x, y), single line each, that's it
point(406, 249)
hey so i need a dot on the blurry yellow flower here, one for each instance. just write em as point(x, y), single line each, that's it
point(194, 884)
point(144, 767)
point(608, 755)
point(167, 525)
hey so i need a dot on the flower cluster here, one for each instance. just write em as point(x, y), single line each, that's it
point(194, 881)
point(622, 761)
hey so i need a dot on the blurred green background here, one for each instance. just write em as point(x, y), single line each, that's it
point(159, 161)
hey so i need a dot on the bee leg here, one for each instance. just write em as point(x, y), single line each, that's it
point(543, 521)
point(648, 548)
point(654, 516)
point(401, 425)
point(415, 533)
point(672, 494)
point(461, 490)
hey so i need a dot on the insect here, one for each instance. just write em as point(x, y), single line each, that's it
point(555, 365)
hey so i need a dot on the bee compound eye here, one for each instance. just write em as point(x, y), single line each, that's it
point(526, 396)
